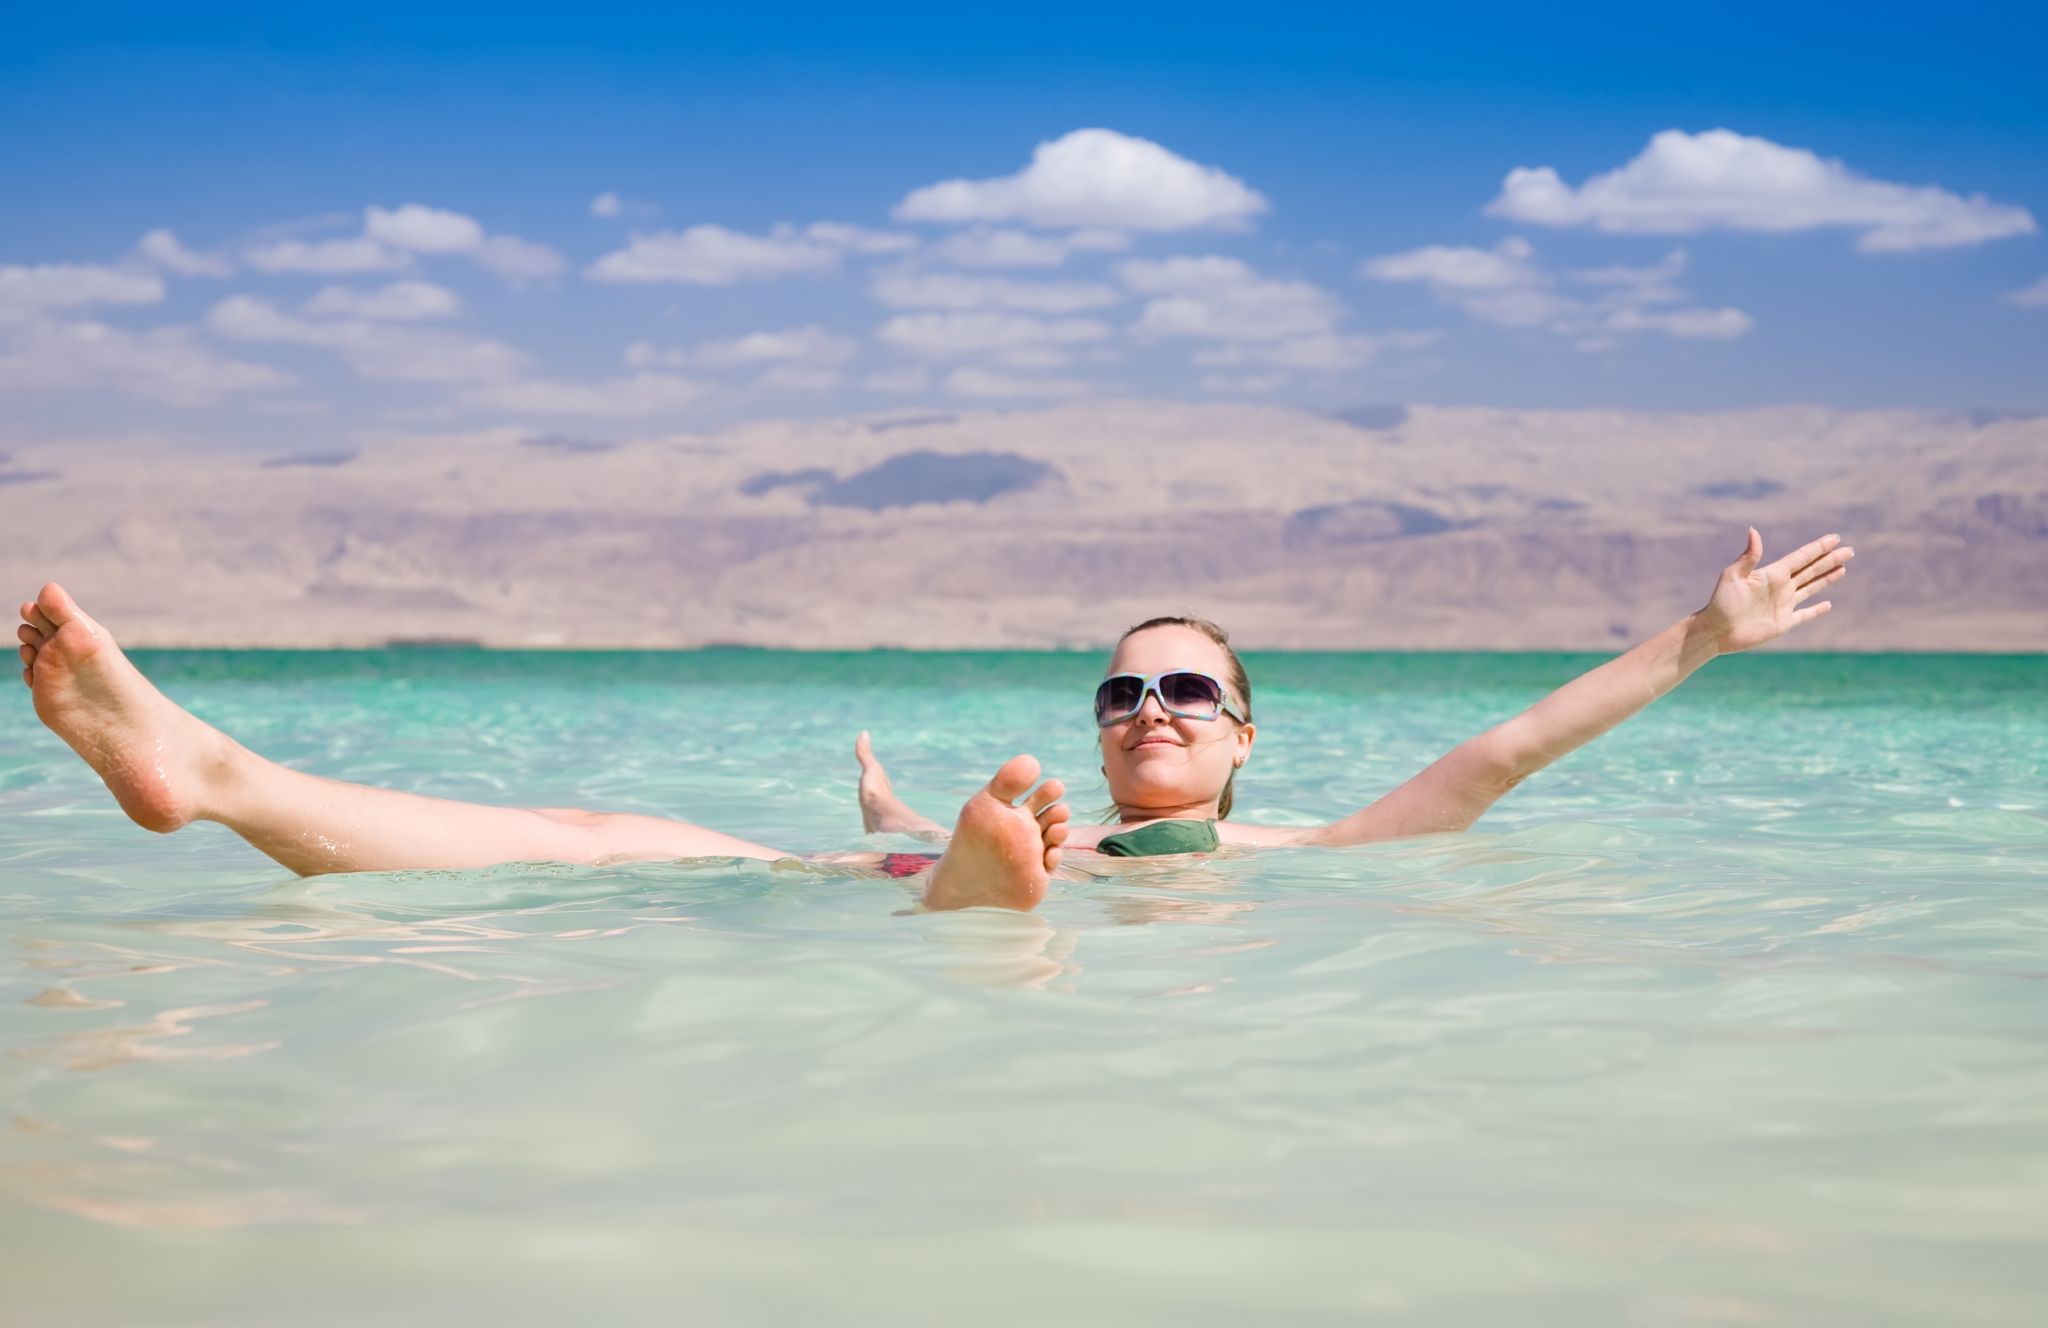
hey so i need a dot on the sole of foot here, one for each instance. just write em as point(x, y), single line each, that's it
point(1002, 852)
point(152, 754)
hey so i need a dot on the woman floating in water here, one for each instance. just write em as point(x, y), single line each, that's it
point(1175, 715)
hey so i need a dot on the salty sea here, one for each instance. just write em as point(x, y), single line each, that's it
point(1739, 1015)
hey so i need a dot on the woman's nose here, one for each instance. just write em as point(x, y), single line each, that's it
point(1152, 712)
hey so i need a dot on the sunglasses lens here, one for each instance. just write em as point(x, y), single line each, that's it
point(1118, 697)
point(1191, 692)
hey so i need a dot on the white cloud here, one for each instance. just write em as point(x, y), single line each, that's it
point(1689, 324)
point(1320, 353)
point(857, 239)
point(810, 344)
point(424, 230)
point(912, 378)
point(373, 349)
point(1681, 183)
point(956, 334)
point(1507, 287)
point(606, 205)
point(2031, 297)
point(517, 260)
point(27, 291)
point(976, 382)
point(1457, 268)
point(799, 378)
point(1222, 299)
point(166, 364)
point(1095, 177)
point(400, 302)
point(991, 246)
point(712, 256)
point(163, 249)
point(1251, 384)
point(953, 290)
point(613, 398)
point(328, 257)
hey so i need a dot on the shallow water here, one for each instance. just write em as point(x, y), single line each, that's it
point(1739, 1015)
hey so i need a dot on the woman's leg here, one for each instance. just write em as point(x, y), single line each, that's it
point(168, 768)
point(881, 811)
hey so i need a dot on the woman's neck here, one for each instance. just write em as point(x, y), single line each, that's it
point(1193, 811)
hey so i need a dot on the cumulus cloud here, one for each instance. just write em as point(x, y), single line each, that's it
point(2031, 297)
point(28, 291)
point(373, 349)
point(1321, 353)
point(1095, 177)
point(972, 381)
point(163, 249)
point(953, 290)
point(337, 257)
point(392, 236)
point(424, 230)
point(858, 239)
point(811, 345)
point(607, 205)
point(420, 229)
point(517, 260)
point(1223, 299)
point(909, 378)
point(993, 246)
point(1681, 183)
point(400, 302)
point(1507, 287)
point(965, 334)
point(711, 255)
point(799, 378)
point(166, 364)
point(613, 398)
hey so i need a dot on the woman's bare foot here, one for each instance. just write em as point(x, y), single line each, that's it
point(880, 808)
point(157, 759)
point(1002, 854)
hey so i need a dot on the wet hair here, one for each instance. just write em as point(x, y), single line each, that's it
point(1239, 682)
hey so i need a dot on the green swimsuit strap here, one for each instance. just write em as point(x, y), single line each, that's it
point(1161, 838)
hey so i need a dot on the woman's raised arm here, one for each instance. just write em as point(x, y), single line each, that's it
point(1750, 605)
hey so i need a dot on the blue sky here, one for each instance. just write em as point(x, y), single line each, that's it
point(1754, 207)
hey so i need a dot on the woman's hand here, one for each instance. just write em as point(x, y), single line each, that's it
point(1752, 605)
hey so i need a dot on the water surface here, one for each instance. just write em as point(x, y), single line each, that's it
point(1738, 1015)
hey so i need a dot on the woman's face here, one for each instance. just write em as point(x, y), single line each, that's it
point(1161, 763)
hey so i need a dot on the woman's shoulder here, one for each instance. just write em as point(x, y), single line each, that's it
point(1266, 836)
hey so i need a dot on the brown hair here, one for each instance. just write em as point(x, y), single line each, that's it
point(1239, 683)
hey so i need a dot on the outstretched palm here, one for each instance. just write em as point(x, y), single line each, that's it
point(1752, 604)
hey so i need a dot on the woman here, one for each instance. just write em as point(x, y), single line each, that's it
point(1174, 713)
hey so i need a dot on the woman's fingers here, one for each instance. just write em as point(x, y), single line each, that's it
point(1810, 613)
point(1827, 570)
point(1821, 566)
point(1795, 563)
point(1828, 579)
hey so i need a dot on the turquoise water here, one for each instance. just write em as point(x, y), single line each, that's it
point(1739, 1015)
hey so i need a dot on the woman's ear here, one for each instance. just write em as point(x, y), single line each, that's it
point(1246, 735)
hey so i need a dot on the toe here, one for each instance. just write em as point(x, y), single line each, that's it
point(1016, 776)
point(1052, 861)
point(1056, 835)
point(863, 751)
point(38, 619)
point(57, 604)
point(29, 635)
point(28, 656)
point(1044, 796)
